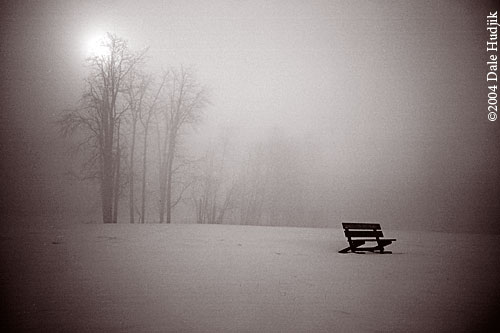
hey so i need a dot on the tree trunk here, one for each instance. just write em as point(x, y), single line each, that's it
point(116, 191)
point(107, 197)
point(144, 170)
point(163, 189)
point(107, 169)
point(131, 175)
point(168, 202)
point(117, 177)
point(170, 164)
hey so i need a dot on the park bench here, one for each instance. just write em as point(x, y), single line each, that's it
point(358, 234)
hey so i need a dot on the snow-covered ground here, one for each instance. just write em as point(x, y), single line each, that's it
point(221, 278)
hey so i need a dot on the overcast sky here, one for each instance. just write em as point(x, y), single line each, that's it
point(392, 94)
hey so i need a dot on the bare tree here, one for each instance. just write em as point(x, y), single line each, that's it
point(145, 119)
point(271, 188)
point(100, 115)
point(135, 94)
point(252, 186)
point(184, 102)
point(214, 192)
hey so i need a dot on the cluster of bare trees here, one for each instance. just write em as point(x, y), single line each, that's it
point(265, 187)
point(214, 190)
point(131, 128)
point(122, 113)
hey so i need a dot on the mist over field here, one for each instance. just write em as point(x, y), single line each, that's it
point(378, 110)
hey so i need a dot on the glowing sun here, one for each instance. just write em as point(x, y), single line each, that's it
point(94, 45)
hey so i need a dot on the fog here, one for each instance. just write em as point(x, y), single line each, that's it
point(381, 105)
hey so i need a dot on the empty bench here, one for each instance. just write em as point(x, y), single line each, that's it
point(358, 234)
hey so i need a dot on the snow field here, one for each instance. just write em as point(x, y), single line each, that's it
point(222, 278)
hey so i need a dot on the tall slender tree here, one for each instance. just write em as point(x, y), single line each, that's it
point(136, 91)
point(100, 114)
point(214, 191)
point(185, 100)
point(145, 120)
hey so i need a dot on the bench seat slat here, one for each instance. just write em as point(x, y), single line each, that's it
point(349, 225)
point(363, 233)
point(380, 239)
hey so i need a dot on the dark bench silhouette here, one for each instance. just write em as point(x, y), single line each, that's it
point(358, 234)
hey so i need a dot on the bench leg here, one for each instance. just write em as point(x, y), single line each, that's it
point(353, 245)
point(345, 250)
point(382, 244)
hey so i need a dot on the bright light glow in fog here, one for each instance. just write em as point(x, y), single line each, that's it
point(94, 45)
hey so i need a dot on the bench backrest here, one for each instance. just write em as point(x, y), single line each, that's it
point(362, 230)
